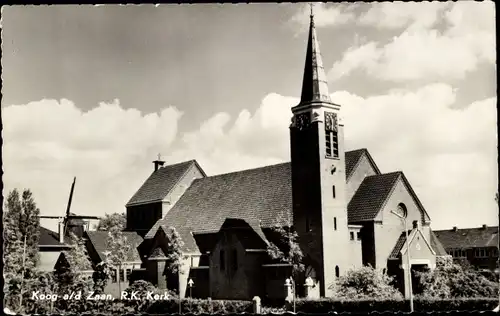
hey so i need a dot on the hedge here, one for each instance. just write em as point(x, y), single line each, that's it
point(420, 305)
point(201, 306)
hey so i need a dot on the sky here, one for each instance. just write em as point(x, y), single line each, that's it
point(97, 92)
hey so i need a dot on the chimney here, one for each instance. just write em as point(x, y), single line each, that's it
point(61, 231)
point(417, 225)
point(484, 226)
point(158, 164)
point(454, 228)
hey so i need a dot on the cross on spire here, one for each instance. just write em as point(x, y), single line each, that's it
point(311, 5)
point(159, 156)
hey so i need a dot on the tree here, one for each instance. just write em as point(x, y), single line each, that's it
point(110, 221)
point(21, 238)
point(174, 256)
point(286, 248)
point(119, 249)
point(451, 280)
point(366, 283)
point(21, 221)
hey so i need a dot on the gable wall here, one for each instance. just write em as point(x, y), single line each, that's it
point(363, 170)
point(420, 251)
point(179, 189)
point(387, 233)
point(140, 218)
point(243, 283)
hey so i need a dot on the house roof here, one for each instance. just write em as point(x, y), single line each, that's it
point(49, 238)
point(352, 159)
point(371, 196)
point(160, 183)
point(257, 195)
point(99, 241)
point(468, 237)
point(437, 245)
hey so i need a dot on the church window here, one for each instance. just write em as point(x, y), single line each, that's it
point(222, 259)
point(332, 144)
point(333, 191)
point(351, 235)
point(335, 223)
point(358, 235)
point(337, 271)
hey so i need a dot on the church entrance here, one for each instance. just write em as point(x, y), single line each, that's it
point(415, 277)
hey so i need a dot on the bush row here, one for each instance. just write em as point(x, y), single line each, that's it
point(420, 305)
point(196, 306)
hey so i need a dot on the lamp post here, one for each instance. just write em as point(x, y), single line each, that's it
point(410, 285)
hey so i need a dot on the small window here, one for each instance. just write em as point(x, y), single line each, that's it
point(128, 273)
point(337, 271)
point(358, 235)
point(333, 191)
point(352, 235)
point(222, 260)
point(122, 275)
point(335, 223)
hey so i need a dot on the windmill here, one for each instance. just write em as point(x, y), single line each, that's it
point(67, 221)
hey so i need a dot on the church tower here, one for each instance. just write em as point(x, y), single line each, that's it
point(318, 174)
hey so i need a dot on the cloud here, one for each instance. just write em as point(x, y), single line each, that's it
point(393, 15)
point(331, 15)
point(422, 51)
point(449, 155)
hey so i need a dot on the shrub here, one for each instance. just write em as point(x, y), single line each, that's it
point(365, 283)
point(451, 280)
point(201, 306)
point(420, 305)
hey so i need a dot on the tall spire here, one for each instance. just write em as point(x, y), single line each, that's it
point(314, 84)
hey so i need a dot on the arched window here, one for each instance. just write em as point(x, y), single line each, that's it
point(337, 271)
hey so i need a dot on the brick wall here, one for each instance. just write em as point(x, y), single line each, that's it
point(179, 189)
point(363, 170)
point(389, 227)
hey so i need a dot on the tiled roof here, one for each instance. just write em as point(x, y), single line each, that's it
point(99, 241)
point(160, 183)
point(468, 237)
point(371, 196)
point(262, 194)
point(49, 238)
point(351, 160)
point(245, 233)
point(399, 245)
point(262, 197)
point(437, 245)
point(157, 253)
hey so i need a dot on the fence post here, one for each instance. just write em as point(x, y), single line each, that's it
point(256, 305)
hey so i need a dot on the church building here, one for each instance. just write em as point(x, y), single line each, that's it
point(346, 212)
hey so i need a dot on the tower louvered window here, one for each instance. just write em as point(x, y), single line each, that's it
point(331, 135)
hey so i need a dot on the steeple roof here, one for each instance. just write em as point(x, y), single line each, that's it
point(314, 84)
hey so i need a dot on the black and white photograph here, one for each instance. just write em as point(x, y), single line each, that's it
point(253, 158)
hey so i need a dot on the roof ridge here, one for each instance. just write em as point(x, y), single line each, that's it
point(251, 169)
